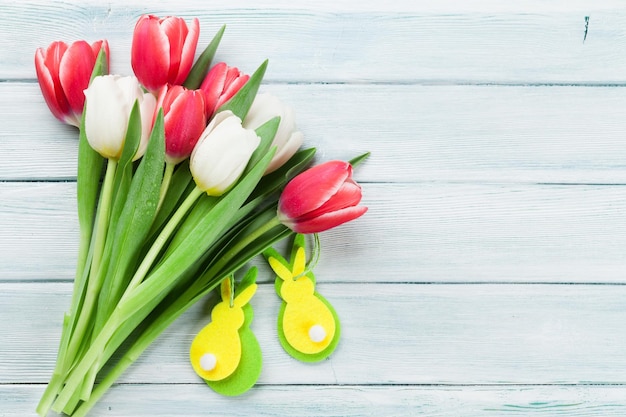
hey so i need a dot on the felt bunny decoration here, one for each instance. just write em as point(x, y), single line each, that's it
point(308, 326)
point(225, 353)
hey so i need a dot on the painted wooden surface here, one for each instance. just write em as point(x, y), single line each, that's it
point(487, 277)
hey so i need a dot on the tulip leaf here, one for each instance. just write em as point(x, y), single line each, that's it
point(180, 186)
point(241, 102)
point(359, 159)
point(266, 132)
point(137, 215)
point(124, 172)
point(279, 178)
point(201, 67)
point(101, 67)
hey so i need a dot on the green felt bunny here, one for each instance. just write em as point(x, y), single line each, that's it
point(225, 353)
point(308, 325)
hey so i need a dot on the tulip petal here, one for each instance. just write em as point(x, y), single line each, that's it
point(347, 196)
point(329, 220)
point(75, 72)
point(150, 53)
point(176, 31)
point(188, 52)
point(52, 92)
point(212, 86)
point(231, 88)
point(287, 151)
point(312, 188)
point(106, 121)
point(184, 123)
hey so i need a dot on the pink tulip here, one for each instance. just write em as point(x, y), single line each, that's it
point(320, 198)
point(185, 121)
point(220, 84)
point(163, 50)
point(63, 72)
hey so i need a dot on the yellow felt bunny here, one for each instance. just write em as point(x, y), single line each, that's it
point(216, 351)
point(308, 325)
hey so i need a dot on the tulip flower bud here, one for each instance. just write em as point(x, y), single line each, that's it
point(163, 50)
point(320, 198)
point(222, 153)
point(220, 85)
point(185, 121)
point(288, 139)
point(110, 99)
point(63, 73)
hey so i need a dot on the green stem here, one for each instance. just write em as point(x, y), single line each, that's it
point(165, 185)
point(95, 279)
point(160, 241)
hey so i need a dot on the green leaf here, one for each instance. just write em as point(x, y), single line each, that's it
point(241, 102)
point(180, 186)
point(136, 217)
point(124, 173)
point(266, 132)
point(201, 67)
point(279, 178)
point(101, 67)
point(359, 159)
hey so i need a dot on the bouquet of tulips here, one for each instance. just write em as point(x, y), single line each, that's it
point(185, 174)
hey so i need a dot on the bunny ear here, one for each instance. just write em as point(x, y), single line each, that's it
point(298, 242)
point(299, 262)
point(226, 289)
point(273, 253)
point(281, 270)
point(245, 296)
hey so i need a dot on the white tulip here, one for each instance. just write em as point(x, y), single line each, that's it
point(222, 153)
point(288, 138)
point(109, 101)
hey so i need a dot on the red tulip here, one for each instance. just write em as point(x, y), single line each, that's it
point(320, 198)
point(163, 50)
point(63, 72)
point(185, 121)
point(220, 84)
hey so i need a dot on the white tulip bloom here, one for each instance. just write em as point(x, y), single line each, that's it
point(109, 101)
point(222, 153)
point(288, 138)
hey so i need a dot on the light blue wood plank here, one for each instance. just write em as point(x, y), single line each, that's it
point(345, 42)
point(391, 334)
point(198, 400)
point(421, 232)
point(415, 133)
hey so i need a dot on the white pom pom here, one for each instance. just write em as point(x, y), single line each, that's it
point(208, 362)
point(317, 333)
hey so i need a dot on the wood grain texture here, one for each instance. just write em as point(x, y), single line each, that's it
point(414, 232)
point(415, 133)
point(198, 400)
point(487, 277)
point(348, 42)
point(391, 334)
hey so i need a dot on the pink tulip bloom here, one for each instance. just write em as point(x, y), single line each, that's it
point(185, 121)
point(63, 72)
point(220, 85)
point(320, 198)
point(163, 50)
